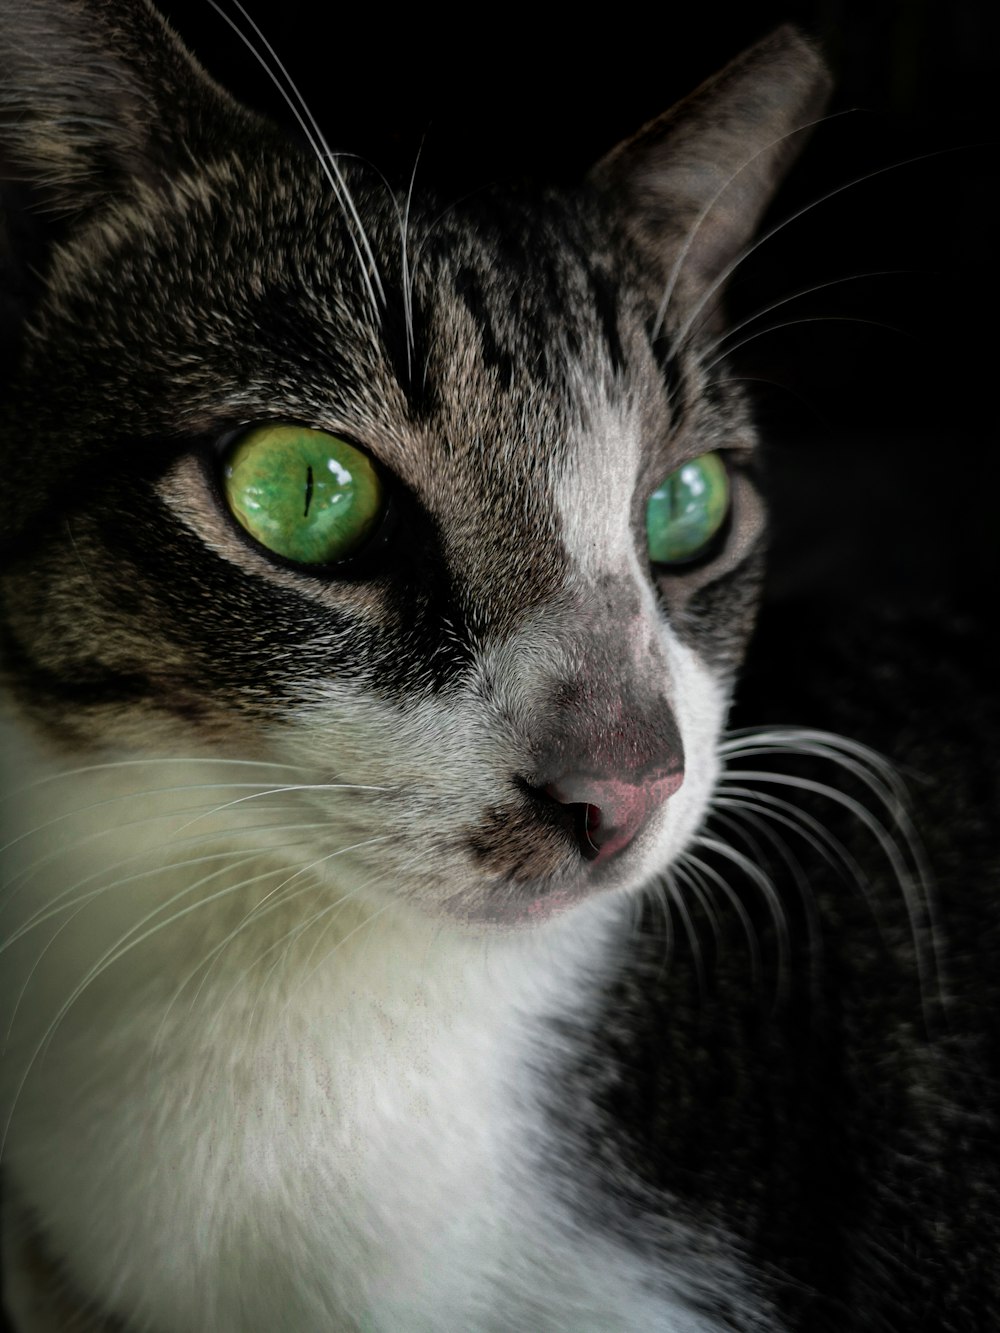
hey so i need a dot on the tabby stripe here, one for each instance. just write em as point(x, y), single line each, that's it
point(468, 288)
point(606, 298)
point(104, 688)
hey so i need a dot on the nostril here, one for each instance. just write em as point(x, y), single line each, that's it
point(585, 819)
point(604, 812)
point(580, 820)
point(586, 823)
point(590, 828)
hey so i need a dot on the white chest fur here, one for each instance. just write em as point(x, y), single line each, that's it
point(226, 1124)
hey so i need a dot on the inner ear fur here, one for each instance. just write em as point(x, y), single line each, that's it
point(692, 185)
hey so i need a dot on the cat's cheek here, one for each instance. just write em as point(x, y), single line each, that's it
point(719, 619)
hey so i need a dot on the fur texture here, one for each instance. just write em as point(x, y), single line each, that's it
point(303, 956)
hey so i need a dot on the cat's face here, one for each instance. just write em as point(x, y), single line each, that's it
point(506, 697)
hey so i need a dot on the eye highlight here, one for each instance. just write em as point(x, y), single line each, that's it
point(304, 494)
point(687, 510)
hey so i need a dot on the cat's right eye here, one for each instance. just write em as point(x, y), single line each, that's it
point(304, 494)
point(687, 511)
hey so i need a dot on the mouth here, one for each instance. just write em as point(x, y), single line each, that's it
point(518, 901)
point(560, 844)
point(513, 912)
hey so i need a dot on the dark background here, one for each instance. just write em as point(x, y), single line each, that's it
point(879, 407)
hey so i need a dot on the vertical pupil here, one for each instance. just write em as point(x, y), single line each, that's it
point(306, 495)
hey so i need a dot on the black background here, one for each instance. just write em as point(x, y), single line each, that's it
point(879, 406)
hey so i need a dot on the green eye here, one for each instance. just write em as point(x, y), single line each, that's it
point(687, 510)
point(303, 494)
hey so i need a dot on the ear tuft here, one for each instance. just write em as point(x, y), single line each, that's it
point(693, 184)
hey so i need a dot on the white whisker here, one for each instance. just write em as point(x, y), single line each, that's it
point(272, 902)
point(714, 288)
point(324, 156)
point(135, 795)
point(663, 895)
point(748, 814)
point(689, 859)
point(79, 905)
point(58, 904)
point(148, 761)
point(126, 943)
point(686, 873)
point(799, 821)
point(806, 319)
point(907, 863)
point(407, 273)
point(282, 791)
point(367, 920)
point(758, 876)
point(677, 898)
point(703, 217)
point(19, 881)
point(717, 343)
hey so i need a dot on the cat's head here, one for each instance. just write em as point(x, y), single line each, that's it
point(441, 498)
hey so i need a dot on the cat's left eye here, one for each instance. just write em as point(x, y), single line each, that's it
point(687, 511)
point(304, 494)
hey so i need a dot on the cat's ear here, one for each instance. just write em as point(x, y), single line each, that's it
point(98, 95)
point(98, 99)
point(692, 185)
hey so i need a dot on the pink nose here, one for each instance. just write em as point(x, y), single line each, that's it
point(612, 811)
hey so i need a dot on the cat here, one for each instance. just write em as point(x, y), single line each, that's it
point(366, 963)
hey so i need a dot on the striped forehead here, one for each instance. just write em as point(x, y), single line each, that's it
point(541, 503)
point(530, 437)
point(502, 393)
